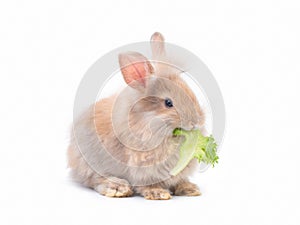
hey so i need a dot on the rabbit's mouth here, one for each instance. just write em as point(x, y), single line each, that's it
point(189, 128)
point(186, 128)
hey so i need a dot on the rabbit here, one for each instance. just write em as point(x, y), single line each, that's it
point(124, 144)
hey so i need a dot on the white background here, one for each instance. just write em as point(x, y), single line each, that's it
point(252, 48)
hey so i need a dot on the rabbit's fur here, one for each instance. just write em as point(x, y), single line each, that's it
point(124, 143)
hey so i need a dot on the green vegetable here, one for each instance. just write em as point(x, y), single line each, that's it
point(195, 146)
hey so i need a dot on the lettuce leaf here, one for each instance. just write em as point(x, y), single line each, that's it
point(195, 145)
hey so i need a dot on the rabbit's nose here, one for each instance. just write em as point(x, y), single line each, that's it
point(193, 126)
point(190, 126)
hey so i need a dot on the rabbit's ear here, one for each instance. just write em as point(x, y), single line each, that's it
point(162, 63)
point(158, 46)
point(135, 68)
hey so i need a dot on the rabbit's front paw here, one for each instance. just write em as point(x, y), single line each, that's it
point(114, 187)
point(187, 189)
point(157, 194)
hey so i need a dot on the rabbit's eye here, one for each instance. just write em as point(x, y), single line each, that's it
point(169, 103)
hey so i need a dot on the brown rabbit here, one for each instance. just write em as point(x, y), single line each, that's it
point(124, 144)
